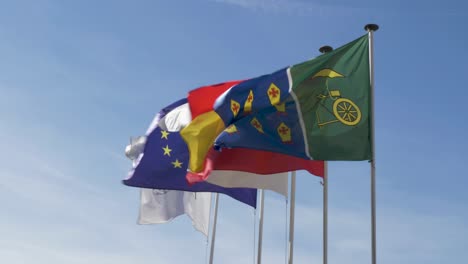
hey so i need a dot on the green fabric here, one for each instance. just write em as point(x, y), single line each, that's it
point(333, 94)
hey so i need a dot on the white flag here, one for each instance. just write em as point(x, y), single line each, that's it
point(161, 206)
point(277, 182)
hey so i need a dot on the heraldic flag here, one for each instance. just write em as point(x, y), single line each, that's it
point(318, 109)
point(265, 167)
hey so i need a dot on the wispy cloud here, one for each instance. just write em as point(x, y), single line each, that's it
point(304, 7)
point(287, 6)
point(269, 5)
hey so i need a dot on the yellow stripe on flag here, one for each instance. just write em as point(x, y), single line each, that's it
point(199, 136)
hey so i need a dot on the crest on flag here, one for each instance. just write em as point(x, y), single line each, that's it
point(255, 123)
point(285, 133)
point(235, 107)
point(248, 102)
point(335, 108)
point(231, 129)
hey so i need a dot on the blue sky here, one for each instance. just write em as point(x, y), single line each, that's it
point(78, 78)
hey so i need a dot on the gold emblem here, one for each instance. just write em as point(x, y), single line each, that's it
point(164, 134)
point(327, 73)
point(248, 102)
point(231, 129)
point(344, 110)
point(235, 107)
point(177, 164)
point(274, 94)
point(167, 151)
point(281, 108)
point(255, 123)
point(284, 132)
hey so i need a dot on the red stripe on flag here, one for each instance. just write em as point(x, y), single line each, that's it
point(254, 161)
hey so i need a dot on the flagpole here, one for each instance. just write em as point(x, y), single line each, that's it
point(291, 217)
point(325, 213)
point(370, 28)
point(260, 226)
point(323, 50)
point(213, 232)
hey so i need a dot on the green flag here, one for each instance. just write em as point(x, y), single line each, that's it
point(332, 93)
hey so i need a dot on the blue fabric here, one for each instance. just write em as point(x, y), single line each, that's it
point(273, 121)
point(159, 171)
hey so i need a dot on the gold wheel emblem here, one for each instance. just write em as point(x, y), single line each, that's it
point(346, 111)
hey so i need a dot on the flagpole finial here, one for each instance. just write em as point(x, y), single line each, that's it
point(371, 27)
point(325, 49)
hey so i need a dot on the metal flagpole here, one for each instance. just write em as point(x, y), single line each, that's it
point(213, 232)
point(325, 213)
point(260, 227)
point(370, 28)
point(291, 217)
point(325, 49)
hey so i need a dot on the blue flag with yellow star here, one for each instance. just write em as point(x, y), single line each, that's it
point(164, 160)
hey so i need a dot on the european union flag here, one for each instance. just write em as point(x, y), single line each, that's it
point(164, 163)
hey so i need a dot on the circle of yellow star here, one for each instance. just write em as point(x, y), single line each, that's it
point(177, 164)
point(167, 151)
point(164, 134)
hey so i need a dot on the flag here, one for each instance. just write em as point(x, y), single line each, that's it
point(161, 206)
point(218, 168)
point(270, 169)
point(316, 110)
point(163, 162)
point(250, 160)
point(277, 182)
point(230, 169)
